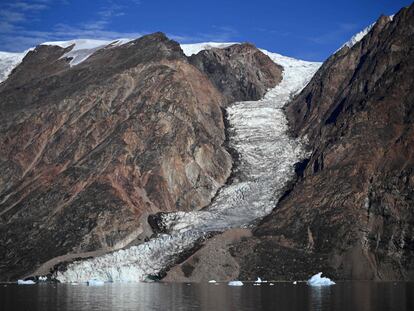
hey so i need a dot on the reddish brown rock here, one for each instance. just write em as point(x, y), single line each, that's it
point(88, 152)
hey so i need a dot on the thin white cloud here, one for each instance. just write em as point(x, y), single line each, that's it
point(26, 6)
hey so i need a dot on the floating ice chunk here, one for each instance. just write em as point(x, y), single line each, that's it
point(318, 280)
point(295, 282)
point(259, 280)
point(95, 282)
point(271, 284)
point(212, 281)
point(26, 282)
point(235, 283)
point(42, 278)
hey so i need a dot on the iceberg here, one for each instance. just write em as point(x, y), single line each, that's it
point(95, 282)
point(26, 282)
point(318, 280)
point(259, 280)
point(235, 283)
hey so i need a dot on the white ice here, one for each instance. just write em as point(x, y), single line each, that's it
point(235, 283)
point(95, 282)
point(319, 280)
point(259, 280)
point(212, 281)
point(25, 282)
point(267, 155)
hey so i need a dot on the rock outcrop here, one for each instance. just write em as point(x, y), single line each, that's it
point(87, 152)
point(241, 72)
point(351, 212)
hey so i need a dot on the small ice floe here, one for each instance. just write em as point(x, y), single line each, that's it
point(95, 282)
point(318, 280)
point(271, 284)
point(42, 278)
point(212, 281)
point(235, 283)
point(26, 282)
point(259, 280)
point(295, 282)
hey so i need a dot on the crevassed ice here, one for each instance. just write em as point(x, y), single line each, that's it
point(267, 154)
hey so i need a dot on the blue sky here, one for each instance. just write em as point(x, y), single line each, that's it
point(310, 30)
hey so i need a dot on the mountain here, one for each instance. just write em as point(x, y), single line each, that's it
point(350, 214)
point(350, 211)
point(137, 159)
point(97, 135)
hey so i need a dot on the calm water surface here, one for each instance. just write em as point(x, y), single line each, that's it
point(160, 296)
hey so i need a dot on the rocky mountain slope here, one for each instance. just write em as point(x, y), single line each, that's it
point(126, 145)
point(89, 148)
point(351, 212)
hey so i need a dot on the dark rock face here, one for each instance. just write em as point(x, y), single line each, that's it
point(241, 72)
point(351, 213)
point(87, 152)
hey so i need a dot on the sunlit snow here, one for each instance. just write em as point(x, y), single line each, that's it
point(8, 61)
point(83, 48)
point(194, 48)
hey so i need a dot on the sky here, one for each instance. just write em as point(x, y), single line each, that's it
point(310, 30)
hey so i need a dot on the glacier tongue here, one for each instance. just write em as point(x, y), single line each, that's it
point(267, 154)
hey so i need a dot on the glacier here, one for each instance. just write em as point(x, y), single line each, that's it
point(267, 154)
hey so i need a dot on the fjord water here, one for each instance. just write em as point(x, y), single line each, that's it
point(378, 296)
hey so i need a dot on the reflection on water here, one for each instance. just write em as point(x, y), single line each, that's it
point(161, 296)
